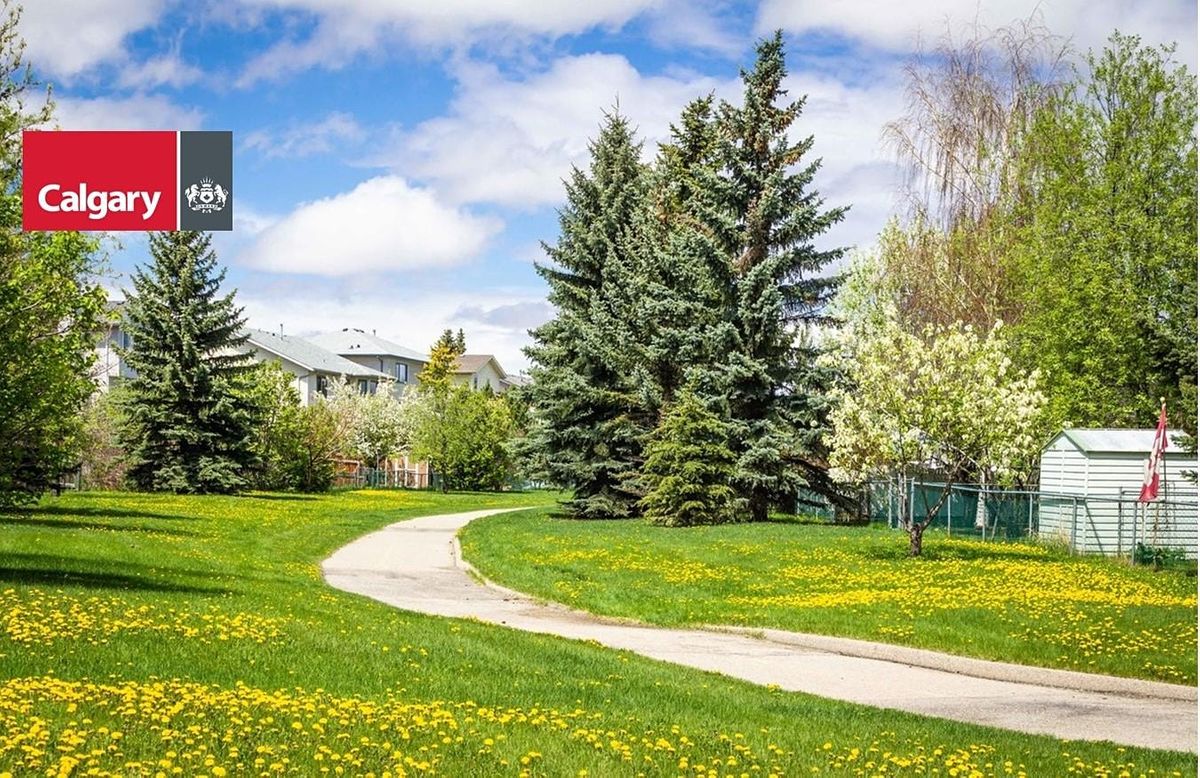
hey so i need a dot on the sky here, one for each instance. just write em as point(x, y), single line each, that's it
point(398, 162)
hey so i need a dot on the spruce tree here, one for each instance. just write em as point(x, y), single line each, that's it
point(190, 416)
point(689, 467)
point(684, 277)
point(583, 390)
point(766, 216)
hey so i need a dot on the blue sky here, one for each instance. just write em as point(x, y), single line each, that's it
point(397, 161)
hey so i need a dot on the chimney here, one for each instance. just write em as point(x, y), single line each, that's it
point(281, 329)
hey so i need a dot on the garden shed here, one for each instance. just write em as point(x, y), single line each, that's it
point(1090, 482)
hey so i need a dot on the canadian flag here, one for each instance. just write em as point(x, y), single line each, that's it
point(1150, 477)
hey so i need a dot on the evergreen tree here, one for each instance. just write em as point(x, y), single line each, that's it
point(190, 419)
point(766, 217)
point(684, 277)
point(689, 467)
point(583, 358)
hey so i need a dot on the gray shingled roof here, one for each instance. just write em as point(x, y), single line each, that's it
point(351, 341)
point(1116, 441)
point(309, 355)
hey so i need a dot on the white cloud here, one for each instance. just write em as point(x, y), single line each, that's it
point(846, 123)
point(302, 140)
point(511, 142)
point(383, 224)
point(894, 26)
point(67, 37)
point(346, 28)
point(694, 25)
point(167, 70)
point(412, 318)
point(138, 112)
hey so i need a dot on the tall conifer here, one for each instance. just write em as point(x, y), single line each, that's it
point(766, 216)
point(190, 417)
point(583, 358)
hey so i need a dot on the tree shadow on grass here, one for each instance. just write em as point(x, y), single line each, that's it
point(285, 497)
point(23, 520)
point(95, 513)
point(933, 552)
point(44, 569)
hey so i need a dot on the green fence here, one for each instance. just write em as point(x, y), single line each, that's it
point(966, 510)
point(1113, 524)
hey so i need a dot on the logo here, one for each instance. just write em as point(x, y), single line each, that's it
point(97, 205)
point(206, 197)
point(113, 181)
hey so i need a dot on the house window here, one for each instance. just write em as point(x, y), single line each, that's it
point(323, 386)
point(402, 372)
point(362, 386)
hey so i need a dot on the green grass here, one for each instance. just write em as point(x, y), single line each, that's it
point(144, 635)
point(1018, 602)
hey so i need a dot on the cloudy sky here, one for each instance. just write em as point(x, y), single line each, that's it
point(398, 161)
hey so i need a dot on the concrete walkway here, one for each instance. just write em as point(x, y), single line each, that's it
point(415, 565)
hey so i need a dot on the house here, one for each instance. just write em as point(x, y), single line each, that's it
point(111, 369)
point(369, 350)
point(313, 367)
point(480, 370)
point(1090, 482)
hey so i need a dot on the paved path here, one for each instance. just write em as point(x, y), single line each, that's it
point(415, 565)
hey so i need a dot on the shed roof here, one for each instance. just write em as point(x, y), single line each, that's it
point(309, 355)
point(1117, 441)
point(351, 341)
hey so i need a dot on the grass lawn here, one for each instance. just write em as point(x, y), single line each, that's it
point(1018, 602)
point(161, 635)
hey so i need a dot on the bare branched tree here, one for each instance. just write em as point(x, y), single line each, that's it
point(969, 101)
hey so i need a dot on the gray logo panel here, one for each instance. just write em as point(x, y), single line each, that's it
point(206, 181)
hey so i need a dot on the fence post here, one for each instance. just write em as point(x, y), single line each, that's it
point(1030, 497)
point(1120, 522)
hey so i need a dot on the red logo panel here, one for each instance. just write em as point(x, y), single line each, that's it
point(99, 180)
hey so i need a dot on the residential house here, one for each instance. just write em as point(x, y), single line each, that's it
point(111, 368)
point(313, 367)
point(369, 350)
point(480, 370)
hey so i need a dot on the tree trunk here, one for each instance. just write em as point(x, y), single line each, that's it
point(916, 532)
point(759, 504)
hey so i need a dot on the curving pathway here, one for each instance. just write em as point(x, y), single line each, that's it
point(416, 565)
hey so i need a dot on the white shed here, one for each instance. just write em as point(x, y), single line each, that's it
point(1090, 481)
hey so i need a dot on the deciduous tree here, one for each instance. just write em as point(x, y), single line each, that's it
point(947, 400)
point(51, 306)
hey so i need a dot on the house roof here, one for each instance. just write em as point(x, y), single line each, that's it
point(308, 355)
point(352, 342)
point(472, 363)
point(1117, 441)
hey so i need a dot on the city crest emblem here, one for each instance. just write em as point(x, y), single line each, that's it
point(206, 196)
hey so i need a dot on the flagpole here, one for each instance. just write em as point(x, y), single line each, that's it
point(1166, 441)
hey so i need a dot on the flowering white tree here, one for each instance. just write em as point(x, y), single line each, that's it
point(377, 425)
point(946, 400)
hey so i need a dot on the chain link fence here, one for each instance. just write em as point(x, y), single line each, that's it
point(1114, 525)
